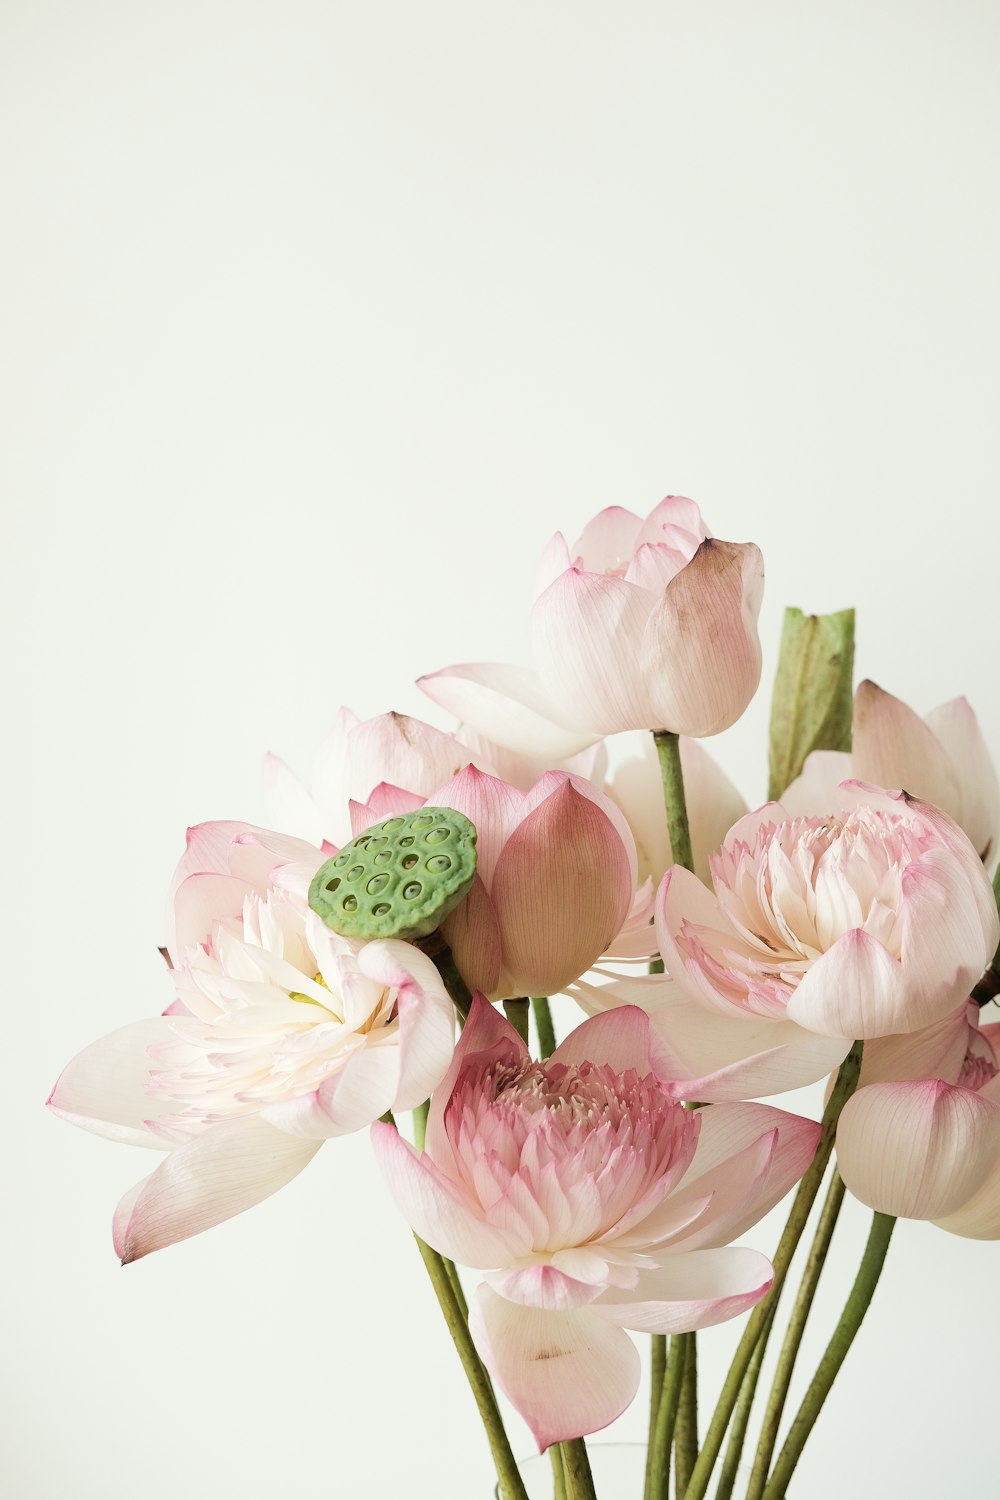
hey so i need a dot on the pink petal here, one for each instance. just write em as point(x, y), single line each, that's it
point(588, 631)
point(854, 989)
point(917, 1150)
point(695, 1289)
point(472, 932)
point(892, 746)
point(364, 1088)
point(487, 1038)
point(936, 1051)
point(619, 1039)
point(105, 1088)
point(567, 1373)
point(384, 801)
point(949, 933)
point(562, 889)
point(607, 541)
point(426, 1018)
point(224, 1172)
point(543, 1286)
point(433, 1208)
point(957, 729)
point(675, 515)
point(200, 902)
point(401, 750)
point(490, 804)
point(701, 654)
point(813, 793)
point(979, 1217)
point(682, 898)
point(509, 705)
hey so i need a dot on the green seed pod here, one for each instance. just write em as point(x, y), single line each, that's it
point(399, 879)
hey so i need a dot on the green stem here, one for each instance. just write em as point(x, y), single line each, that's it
point(657, 1371)
point(686, 1431)
point(793, 1335)
point(420, 1124)
point(576, 1467)
point(452, 980)
point(558, 1472)
point(543, 1025)
point(516, 1012)
point(662, 1434)
point(511, 1483)
point(668, 748)
point(741, 1416)
point(851, 1318)
point(847, 1081)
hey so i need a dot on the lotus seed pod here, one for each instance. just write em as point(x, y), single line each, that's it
point(398, 879)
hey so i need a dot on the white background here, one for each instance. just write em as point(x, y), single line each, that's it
point(319, 318)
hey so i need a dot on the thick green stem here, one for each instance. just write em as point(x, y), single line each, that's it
point(657, 1371)
point(558, 1472)
point(668, 748)
point(420, 1124)
point(741, 1416)
point(543, 1025)
point(847, 1081)
point(576, 1467)
point(662, 1434)
point(851, 1319)
point(439, 952)
point(686, 1431)
point(511, 1484)
point(793, 1335)
point(517, 1012)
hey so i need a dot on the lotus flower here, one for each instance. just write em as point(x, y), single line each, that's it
point(351, 762)
point(639, 625)
point(594, 1204)
point(928, 1147)
point(870, 923)
point(555, 885)
point(941, 758)
point(282, 1034)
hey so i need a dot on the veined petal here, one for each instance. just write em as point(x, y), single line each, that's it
point(607, 541)
point(509, 705)
point(813, 793)
point(491, 805)
point(936, 1051)
point(568, 1373)
point(701, 653)
point(543, 1285)
point(854, 989)
point(979, 1217)
point(917, 1150)
point(364, 1088)
point(201, 901)
point(562, 889)
point(957, 729)
point(619, 1039)
point(693, 1289)
point(472, 932)
point(229, 1169)
point(892, 746)
point(384, 801)
point(105, 1088)
point(433, 1208)
point(487, 1038)
point(588, 630)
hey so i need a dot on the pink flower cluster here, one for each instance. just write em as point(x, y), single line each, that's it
point(583, 1190)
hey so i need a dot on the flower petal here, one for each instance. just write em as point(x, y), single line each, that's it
point(487, 1038)
point(957, 728)
point(588, 631)
point(289, 805)
point(694, 1289)
point(509, 705)
point(105, 1088)
point(813, 793)
point(701, 654)
point(892, 746)
point(227, 1170)
point(491, 805)
point(917, 1150)
point(568, 1373)
point(854, 989)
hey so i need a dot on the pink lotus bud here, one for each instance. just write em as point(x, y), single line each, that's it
point(554, 886)
point(594, 1202)
point(640, 625)
point(282, 1034)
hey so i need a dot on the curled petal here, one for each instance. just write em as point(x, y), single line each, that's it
point(607, 541)
point(690, 1290)
point(545, 1286)
point(917, 1150)
point(701, 652)
point(568, 1373)
point(229, 1169)
point(619, 1038)
point(487, 1038)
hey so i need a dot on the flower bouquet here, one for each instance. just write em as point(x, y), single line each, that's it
point(386, 961)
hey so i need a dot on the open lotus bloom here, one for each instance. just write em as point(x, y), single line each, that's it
point(875, 921)
point(941, 758)
point(355, 757)
point(641, 624)
point(556, 879)
point(593, 1202)
point(282, 1034)
point(928, 1147)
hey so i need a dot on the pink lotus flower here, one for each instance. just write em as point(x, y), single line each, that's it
point(282, 1034)
point(873, 922)
point(593, 1202)
point(351, 762)
point(941, 758)
point(640, 625)
point(555, 883)
point(928, 1146)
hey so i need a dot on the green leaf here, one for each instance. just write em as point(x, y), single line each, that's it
point(813, 692)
